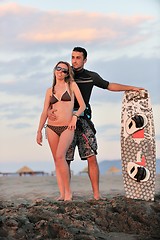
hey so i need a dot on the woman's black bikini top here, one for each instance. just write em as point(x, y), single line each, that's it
point(65, 97)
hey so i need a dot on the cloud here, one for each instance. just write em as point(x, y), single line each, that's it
point(26, 27)
point(15, 9)
point(85, 34)
point(27, 79)
point(19, 111)
point(122, 49)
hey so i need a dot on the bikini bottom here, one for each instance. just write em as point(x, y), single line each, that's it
point(57, 129)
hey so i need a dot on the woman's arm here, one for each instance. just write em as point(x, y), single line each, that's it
point(43, 116)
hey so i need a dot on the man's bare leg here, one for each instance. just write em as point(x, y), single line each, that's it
point(93, 172)
point(69, 165)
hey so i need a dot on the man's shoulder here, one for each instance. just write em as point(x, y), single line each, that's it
point(92, 74)
point(97, 79)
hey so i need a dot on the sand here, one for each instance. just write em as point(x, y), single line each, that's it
point(33, 187)
point(29, 210)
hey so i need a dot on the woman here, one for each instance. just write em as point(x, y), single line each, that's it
point(59, 101)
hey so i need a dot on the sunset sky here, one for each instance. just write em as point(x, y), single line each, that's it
point(123, 43)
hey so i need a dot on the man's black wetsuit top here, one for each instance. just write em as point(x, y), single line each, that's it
point(85, 80)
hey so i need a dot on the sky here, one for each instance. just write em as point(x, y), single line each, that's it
point(123, 43)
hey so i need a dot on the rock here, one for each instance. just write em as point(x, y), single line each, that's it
point(116, 218)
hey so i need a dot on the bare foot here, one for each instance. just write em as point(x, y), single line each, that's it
point(68, 197)
point(68, 200)
point(96, 197)
point(100, 198)
point(60, 198)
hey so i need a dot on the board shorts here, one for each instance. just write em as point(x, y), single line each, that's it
point(84, 139)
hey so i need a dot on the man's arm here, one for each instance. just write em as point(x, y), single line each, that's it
point(115, 87)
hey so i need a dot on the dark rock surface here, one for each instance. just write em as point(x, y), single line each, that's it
point(116, 218)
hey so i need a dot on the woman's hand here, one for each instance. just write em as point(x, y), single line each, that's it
point(72, 124)
point(39, 138)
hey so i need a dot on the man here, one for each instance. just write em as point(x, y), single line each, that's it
point(85, 132)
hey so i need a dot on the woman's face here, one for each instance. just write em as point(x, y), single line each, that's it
point(61, 71)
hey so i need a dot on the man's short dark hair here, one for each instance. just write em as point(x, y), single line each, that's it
point(80, 49)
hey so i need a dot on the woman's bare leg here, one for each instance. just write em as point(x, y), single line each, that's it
point(53, 140)
point(61, 163)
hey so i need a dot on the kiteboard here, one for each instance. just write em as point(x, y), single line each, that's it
point(138, 150)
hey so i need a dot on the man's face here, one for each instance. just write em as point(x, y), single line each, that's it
point(78, 60)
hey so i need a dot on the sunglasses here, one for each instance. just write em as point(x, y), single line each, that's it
point(64, 70)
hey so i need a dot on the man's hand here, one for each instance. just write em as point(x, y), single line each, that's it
point(137, 89)
point(51, 114)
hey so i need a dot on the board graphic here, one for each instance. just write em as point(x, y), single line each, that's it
point(138, 151)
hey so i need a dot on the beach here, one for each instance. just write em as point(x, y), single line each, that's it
point(29, 210)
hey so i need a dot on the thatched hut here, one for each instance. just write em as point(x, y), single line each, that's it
point(84, 171)
point(25, 171)
point(113, 170)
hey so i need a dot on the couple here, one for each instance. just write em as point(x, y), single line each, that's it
point(68, 115)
